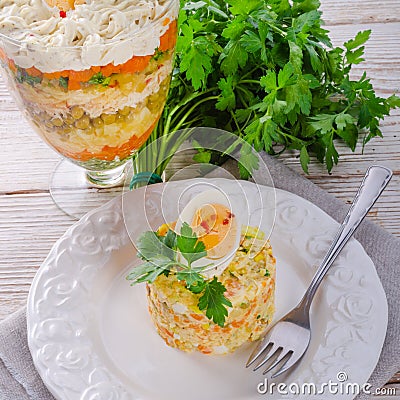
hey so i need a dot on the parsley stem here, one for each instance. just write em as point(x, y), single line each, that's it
point(200, 94)
point(250, 81)
point(277, 30)
point(233, 146)
point(243, 101)
point(165, 153)
point(193, 108)
point(168, 149)
point(251, 72)
point(294, 138)
point(236, 123)
point(173, 121)
point(182, 106)
point(247, 92)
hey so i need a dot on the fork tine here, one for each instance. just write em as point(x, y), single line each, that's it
point(270, 355)
point(290, 362)
point(263, 354)
point(261, 347)
point(279, 360)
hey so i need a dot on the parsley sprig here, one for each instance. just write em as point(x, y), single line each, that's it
point(22, 76)
point(100, 79)
point(160, 256)
point(267, 71)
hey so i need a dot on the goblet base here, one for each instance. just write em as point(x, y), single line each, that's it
point(76, 191)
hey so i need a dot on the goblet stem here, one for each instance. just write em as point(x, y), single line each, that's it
point(106, 179)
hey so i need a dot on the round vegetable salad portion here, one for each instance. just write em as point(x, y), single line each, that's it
point(249, 281)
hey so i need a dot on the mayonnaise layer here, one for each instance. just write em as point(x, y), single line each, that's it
point(96, 33)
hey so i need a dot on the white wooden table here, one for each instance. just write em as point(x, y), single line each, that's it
point(30, 223)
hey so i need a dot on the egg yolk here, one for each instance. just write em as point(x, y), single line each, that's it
point(216, 227)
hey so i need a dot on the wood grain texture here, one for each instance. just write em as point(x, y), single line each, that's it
point(30, 223)
point(360, 11)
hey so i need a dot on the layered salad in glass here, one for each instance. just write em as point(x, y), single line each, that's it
point(93, 79)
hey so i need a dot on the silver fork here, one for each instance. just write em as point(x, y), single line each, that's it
point(286, 342)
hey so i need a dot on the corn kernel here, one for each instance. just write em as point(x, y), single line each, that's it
point(259, 257)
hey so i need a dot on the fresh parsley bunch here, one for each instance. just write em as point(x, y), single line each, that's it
point(159, 254)
point(267, 71)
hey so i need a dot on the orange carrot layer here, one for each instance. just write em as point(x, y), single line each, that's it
point(168, 40)
point(33, 72)
point(81, 76)
point(135, 64)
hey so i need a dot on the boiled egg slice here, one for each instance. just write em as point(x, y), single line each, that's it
point(211, 216)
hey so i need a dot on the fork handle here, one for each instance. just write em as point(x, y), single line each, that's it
point(373, 184)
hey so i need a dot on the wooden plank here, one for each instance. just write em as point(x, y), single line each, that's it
point(338, 12)
point(381, 53)
point(30, 224)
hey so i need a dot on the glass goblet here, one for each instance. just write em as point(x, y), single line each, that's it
point(96, 104)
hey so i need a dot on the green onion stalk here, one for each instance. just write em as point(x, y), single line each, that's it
point(174, 127)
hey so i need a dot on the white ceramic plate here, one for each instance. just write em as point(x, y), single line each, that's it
point(91, 337)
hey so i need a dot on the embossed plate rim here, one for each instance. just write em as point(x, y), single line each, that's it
point(99, 378)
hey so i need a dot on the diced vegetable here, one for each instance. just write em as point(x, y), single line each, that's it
point(135, 64)
point(109, 153)
point(168, 40)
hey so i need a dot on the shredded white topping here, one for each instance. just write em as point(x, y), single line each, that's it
point(99, 32)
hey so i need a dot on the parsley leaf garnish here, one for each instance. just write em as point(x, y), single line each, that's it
point(150, 244)
point(23, 76)
point(191, 248)
point(150, 270)
point(214, 302)
point(160, 256)
point(169, 239)
point(99, 79)
point(63, 82)
point(157, 54)
point(193, 280)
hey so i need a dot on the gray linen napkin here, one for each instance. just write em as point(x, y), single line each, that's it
point(19, 379)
